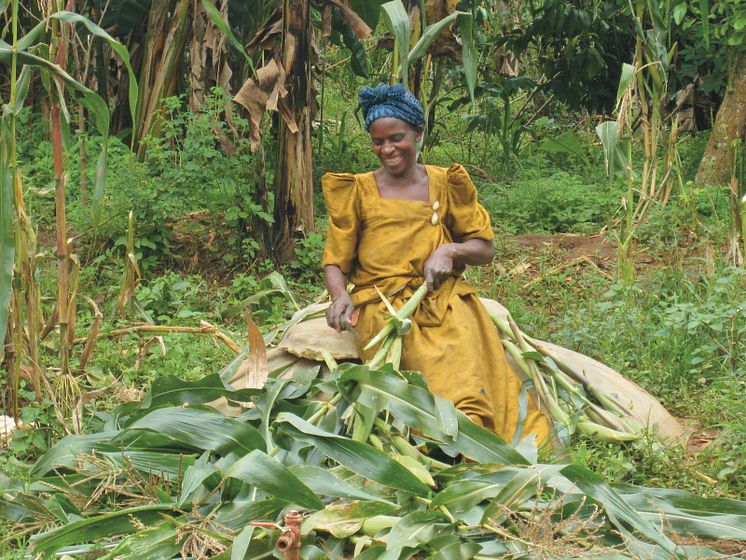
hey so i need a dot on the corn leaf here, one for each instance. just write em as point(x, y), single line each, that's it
point(238, 513)
point(344, 519)
point(617, 509)
point(99, 527)
point(711, 518)
point(415, 406)
point(202, 430)
point(64, 452)
point(616, 159)
point(415, 529)
point(324, 482)
point(22, 86)
point(628, 71)
point(360, 458)
point(170, 390)
point(266, 473)
point(170, 466)
point(152, 543)
point(463, 495)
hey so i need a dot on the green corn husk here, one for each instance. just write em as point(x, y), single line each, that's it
point(572, 394)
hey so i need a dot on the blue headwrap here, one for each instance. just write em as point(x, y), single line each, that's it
point(390, 101)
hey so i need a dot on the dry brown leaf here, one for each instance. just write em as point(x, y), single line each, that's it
point(254, 96)
point(264, 38)
point(256, 361)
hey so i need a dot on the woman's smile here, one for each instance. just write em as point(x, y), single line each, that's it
point(395, 144)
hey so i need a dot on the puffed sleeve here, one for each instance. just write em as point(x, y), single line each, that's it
point(341, 196)
point(466, 218)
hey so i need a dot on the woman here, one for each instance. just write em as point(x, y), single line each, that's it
point(405, 224)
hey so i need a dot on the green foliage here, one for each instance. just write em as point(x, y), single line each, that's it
point(306, 267)
point(171, 297)
point(290, 450)
point(580, 47)
point(685, 340)
point(560, 202)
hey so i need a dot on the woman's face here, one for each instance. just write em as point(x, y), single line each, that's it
point(395, 144)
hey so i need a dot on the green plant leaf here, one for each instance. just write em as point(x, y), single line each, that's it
point(324, 482)
point(463, 495)
point(415, 406)
point(202, 429)
point(709, 518)
point(152, 543)
point(115, 45)
point(218, 21)
point(431, 33)
point(628, 72)
point(344, 519)
point(396, 19)
point(368, 10)
point(616, 159)
point(704, 12)
point(266, 473)
point(356, 456)
point(99, 527)
point(414, 530)
point(616, 508)
point(22, 86)
point(64, 452)
point(170, 390)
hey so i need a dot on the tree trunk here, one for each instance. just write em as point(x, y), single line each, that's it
point(293, 179)
point(730, 123)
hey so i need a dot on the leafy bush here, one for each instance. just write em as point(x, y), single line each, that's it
point(171, 296)
point(560, 202)
point(683, 339)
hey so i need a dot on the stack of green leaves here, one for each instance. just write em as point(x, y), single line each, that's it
point(383, 470)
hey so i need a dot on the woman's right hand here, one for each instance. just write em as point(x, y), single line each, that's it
point(339, 313)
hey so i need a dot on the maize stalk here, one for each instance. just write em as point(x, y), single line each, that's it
point(573, 402)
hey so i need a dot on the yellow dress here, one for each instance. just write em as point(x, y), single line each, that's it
point(384, 242)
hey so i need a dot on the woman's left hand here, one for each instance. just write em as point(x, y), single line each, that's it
point(438, 267)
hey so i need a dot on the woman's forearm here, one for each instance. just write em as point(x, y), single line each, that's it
point(336, 281)
point(474, 252)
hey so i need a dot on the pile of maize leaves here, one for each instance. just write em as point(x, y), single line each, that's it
point(171, 477)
